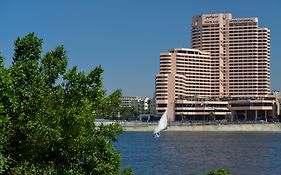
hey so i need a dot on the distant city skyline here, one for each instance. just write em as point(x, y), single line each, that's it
point(125, 37)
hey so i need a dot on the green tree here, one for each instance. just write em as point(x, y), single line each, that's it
point(129, 113)
point(110, 105)
point(219, 171)
point(47, 115)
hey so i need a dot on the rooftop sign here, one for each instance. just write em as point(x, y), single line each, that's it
point(244, 20)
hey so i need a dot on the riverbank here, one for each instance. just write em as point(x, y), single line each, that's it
point(274, 127)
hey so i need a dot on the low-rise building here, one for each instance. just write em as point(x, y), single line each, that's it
point(143, 106)
point(130, 101)
point(277, 95)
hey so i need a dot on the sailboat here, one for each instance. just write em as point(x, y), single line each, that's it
point(162, 125)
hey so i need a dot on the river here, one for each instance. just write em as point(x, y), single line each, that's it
point(194, 153)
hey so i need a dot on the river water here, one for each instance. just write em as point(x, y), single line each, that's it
point(194, 153)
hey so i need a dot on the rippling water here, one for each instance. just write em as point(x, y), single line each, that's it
point(194, 153)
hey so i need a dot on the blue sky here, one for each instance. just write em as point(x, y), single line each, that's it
point(125, 37)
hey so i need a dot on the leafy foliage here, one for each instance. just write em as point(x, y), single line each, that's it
point(129, 113)
point(219, 171)
point(48, 127)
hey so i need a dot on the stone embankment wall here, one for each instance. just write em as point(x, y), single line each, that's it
point(232, 127)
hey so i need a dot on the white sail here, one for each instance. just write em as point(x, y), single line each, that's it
point(162, 124)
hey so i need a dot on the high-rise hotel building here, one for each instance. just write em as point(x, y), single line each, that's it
point(226, 73)
point(240, 53)
point(183, 73)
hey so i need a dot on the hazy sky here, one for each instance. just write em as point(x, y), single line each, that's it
point(125, 37)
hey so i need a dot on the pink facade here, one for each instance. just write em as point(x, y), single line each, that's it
point(229, 59)
point(240, 53)
point(183, 73)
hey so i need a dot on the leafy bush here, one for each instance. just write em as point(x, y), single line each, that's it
point(219, 171)
point(47, 115)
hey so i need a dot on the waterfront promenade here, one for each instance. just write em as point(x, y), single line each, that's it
point(272, 127)
point(242, 126)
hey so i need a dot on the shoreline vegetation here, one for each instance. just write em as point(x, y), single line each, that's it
point(47, 111)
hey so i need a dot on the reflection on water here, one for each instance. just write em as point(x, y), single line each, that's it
point(194, 153)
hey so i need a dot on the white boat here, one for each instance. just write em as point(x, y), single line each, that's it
point(162, 125)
